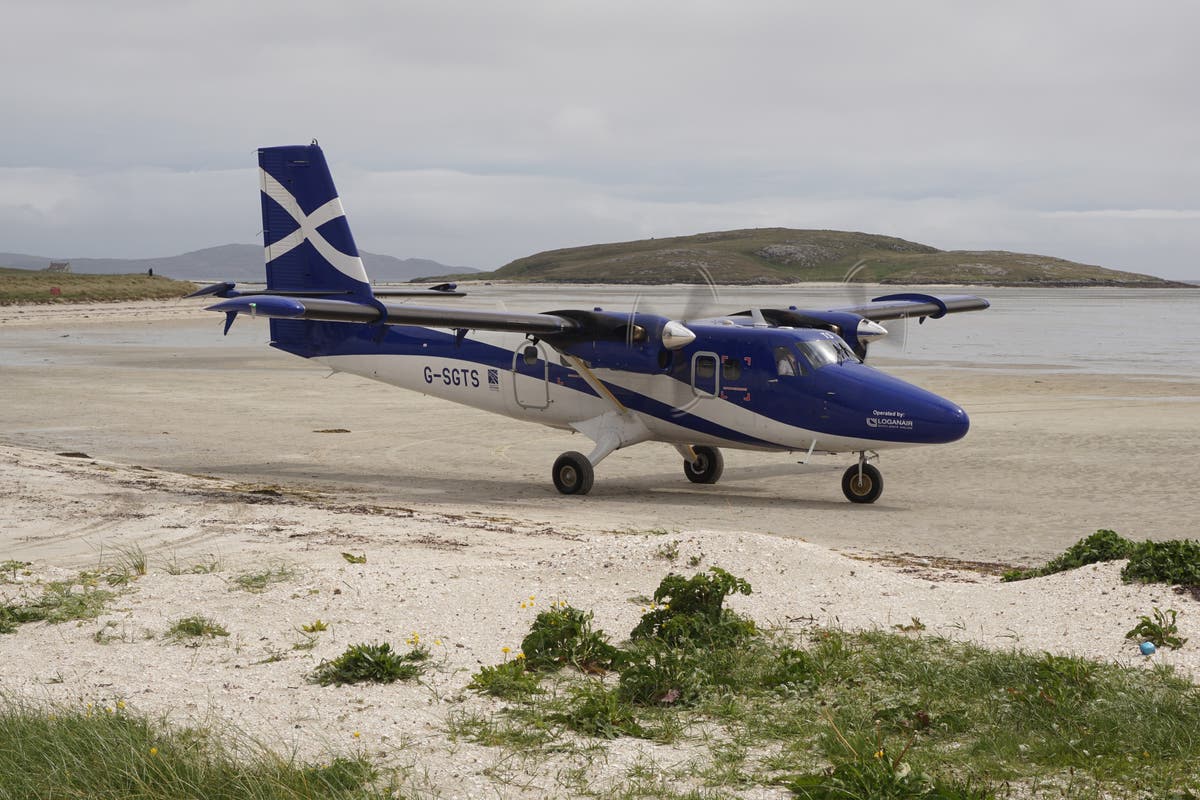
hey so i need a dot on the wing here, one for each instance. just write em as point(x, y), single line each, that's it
point(898, 306)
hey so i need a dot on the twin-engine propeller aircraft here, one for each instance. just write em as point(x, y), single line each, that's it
point(775, 379)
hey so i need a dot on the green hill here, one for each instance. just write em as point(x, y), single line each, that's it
point(784, 255)
point(37, 286)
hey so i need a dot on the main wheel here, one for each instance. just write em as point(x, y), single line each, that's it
point(573, 473)
point(707, 467)
point(864, 488)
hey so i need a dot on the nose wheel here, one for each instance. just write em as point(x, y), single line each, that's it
point(573, 473)
point(862, 483)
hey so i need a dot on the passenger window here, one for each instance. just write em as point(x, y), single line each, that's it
point(706, 367)
point(731, 370)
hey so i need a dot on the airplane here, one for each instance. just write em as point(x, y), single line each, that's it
point(770, 379)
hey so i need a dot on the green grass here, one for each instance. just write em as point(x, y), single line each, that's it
point(111, 755)
point(34, 286)
point(259, 580)
point(60, 601)
point(196, 627)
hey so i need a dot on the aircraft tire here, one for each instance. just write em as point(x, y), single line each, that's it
point(573, 473)
point(866, 490)
point(708, 466)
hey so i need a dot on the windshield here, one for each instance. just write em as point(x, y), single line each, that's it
point(827, 351)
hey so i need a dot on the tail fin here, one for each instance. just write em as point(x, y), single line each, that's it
point(308, 245)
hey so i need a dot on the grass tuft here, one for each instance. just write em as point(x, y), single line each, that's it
point(260, 580)
point(196, 627)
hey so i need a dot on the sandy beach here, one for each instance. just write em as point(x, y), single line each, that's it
point(196, 448)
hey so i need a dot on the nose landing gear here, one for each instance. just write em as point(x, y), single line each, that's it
point(862, 483)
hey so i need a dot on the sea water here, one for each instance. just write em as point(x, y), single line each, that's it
point(1110, 331)
point(1101, 330)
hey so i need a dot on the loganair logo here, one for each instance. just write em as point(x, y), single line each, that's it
point(894, 420)
point(348, 265)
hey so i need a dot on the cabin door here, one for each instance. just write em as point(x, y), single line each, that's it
point(531, 376)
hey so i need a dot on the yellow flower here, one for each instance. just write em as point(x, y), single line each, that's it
point(532, 598)
point(356, 734)
point(520, 655)
point(505, 650)
point(523, 605)
point(153, 751)
point(437, 642)
point(121, 704)
point(879, 753)
point(108, 710)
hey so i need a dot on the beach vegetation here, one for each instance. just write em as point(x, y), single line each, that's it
point(1161, 631)
point(259, 580)
point(1103, 545)
point(564, 636)
point(1175, 562)
point(692, 610)
point(208, 566)
point(11, 567)
point(110, 753)
point(508, 680)
point(316, 626)
point(374, 663)
point(196, 627)
point(353, 559)
point(60, 601)
point(668, 551)
point(829, 713)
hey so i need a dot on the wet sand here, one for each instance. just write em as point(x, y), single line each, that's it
point(1051, 457)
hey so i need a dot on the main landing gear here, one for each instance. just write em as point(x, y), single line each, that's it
point(862, 483)
point(574, 473)
point(706, 467)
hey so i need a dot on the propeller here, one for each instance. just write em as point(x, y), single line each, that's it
point(895, 332)
point(675, 334)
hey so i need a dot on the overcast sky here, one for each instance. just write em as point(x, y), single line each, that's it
point(477, 132)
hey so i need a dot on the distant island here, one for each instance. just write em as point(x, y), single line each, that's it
point(228, 262)
point(765, 256)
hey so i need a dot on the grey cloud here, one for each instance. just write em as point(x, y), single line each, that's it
point(673, 115)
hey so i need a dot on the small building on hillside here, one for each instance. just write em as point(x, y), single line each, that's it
point(59, 266)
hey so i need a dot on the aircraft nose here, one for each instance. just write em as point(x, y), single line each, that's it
point(951, 423)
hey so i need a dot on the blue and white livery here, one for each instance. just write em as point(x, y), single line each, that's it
point(778, 379)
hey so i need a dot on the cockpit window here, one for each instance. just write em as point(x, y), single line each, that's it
point(785, 362)
point(827, 351)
